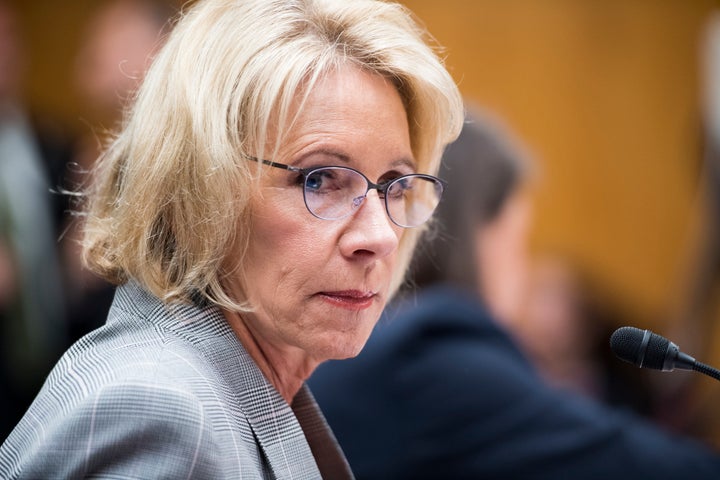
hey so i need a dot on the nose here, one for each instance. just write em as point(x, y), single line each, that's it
point(370, 234)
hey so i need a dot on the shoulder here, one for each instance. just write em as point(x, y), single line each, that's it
point(137, 395)
point(122, 427)
point(136, 383)
point(146, 340)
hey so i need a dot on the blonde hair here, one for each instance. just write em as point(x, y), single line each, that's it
point(170, 195)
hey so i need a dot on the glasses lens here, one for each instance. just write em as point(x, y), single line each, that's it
point(332, 193)
point(412, 199)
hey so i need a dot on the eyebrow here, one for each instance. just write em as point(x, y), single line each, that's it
point(404, 161)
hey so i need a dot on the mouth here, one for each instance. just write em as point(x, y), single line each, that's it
point(349, 299)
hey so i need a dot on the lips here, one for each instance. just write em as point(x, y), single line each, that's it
point(349, 299)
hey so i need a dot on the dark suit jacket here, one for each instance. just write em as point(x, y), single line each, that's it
point(440, 391)
point(167, 392)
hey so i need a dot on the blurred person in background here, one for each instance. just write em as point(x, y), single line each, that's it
point(554, 329)
point(564, 326)
point(442, 389)
point(33, 153)
point(119, 43)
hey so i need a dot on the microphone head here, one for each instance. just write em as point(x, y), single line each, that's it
point(625, 343)
point(640, 347)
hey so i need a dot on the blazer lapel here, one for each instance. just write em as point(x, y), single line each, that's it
point(277, 430)
point(330, 459)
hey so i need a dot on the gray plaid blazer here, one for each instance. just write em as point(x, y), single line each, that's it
point(167, 392)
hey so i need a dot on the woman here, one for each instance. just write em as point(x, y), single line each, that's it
point(253, 210)
point(450, 391)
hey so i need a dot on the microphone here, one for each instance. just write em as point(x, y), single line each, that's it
point(646, 349)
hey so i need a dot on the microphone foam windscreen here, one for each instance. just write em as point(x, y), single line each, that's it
point(625, 343)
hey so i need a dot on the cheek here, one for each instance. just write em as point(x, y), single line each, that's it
point(285, 245)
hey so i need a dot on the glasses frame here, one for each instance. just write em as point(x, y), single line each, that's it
point(381, 188)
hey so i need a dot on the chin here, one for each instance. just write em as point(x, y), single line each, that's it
point(343, 342)
point(345, 350)
point(349, 354)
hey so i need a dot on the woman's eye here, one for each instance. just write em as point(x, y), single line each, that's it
point(321, 180)
point(399, 188)
point(314, 181)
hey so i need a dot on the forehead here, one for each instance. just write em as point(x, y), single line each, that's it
point(350, 111)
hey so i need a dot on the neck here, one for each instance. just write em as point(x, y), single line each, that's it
point(285, 368)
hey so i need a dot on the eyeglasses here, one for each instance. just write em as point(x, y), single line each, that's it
point(333, 193)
